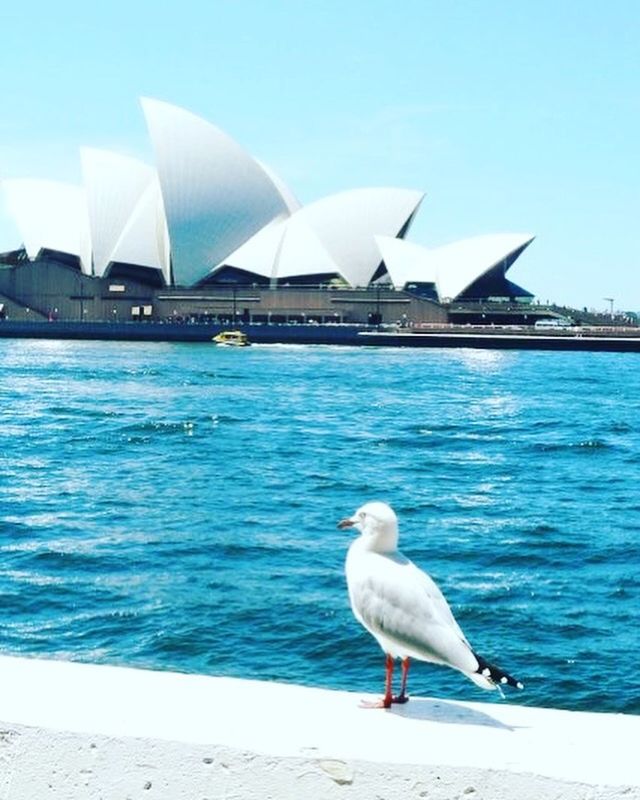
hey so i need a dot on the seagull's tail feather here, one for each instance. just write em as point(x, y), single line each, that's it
point(488, 676)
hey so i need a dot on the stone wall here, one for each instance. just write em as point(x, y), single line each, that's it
point(84, 731)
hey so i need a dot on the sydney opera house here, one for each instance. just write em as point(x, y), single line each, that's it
point(207, 232)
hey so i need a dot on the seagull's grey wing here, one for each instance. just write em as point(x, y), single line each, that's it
point(438, 600)
point(400, 603)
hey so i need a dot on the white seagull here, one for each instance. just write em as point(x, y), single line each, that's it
point(402, 607)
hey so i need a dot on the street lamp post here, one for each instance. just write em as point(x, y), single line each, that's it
point(81, 298)
point(610, 301)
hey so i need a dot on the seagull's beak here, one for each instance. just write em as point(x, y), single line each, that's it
point(346, 523)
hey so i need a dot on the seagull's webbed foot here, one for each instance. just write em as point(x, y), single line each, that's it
point(389, 698)
point(403, 697)
point(382, 702)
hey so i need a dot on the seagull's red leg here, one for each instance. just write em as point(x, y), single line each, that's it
point(403, 697)
point(388, 683)
point(386, 701)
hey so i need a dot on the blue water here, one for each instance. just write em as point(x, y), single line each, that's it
point(175, 506)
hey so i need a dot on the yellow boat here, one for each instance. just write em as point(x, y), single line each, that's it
point(232, 339)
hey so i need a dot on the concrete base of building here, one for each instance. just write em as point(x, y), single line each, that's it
point(83, 731)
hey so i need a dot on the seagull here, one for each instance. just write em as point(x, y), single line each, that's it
point(403, 609)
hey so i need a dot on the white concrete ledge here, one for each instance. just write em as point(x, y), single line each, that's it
point(82, 731)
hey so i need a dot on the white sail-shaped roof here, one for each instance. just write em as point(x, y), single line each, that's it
point(259, 253)
point(459, 264)
point(291, 201)
point(10, 238)
point(283, 249)
point(406, 262)
point(453, 267)
point(333, 235)
point(50, 215)
point(346, 224)
point(114, 185)
point(144, 241)
point(216, 196)
point(302, 253)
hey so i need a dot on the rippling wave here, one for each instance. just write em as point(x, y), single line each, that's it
point(175, 506)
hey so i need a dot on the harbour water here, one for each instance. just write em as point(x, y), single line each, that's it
point(174, 506)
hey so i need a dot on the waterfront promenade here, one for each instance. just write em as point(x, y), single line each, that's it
point(606, 339)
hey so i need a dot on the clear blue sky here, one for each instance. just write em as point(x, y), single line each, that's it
point(512, 116)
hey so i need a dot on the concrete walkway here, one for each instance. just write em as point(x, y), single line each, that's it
point(73, 730)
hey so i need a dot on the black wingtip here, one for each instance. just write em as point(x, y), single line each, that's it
point(496, 675)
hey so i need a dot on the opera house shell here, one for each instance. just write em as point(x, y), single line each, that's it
point(470, 269)
point(208, 213)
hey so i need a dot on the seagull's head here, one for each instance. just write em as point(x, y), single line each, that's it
point(378, 525)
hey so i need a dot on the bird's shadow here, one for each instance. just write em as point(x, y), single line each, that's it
point(424, 708)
